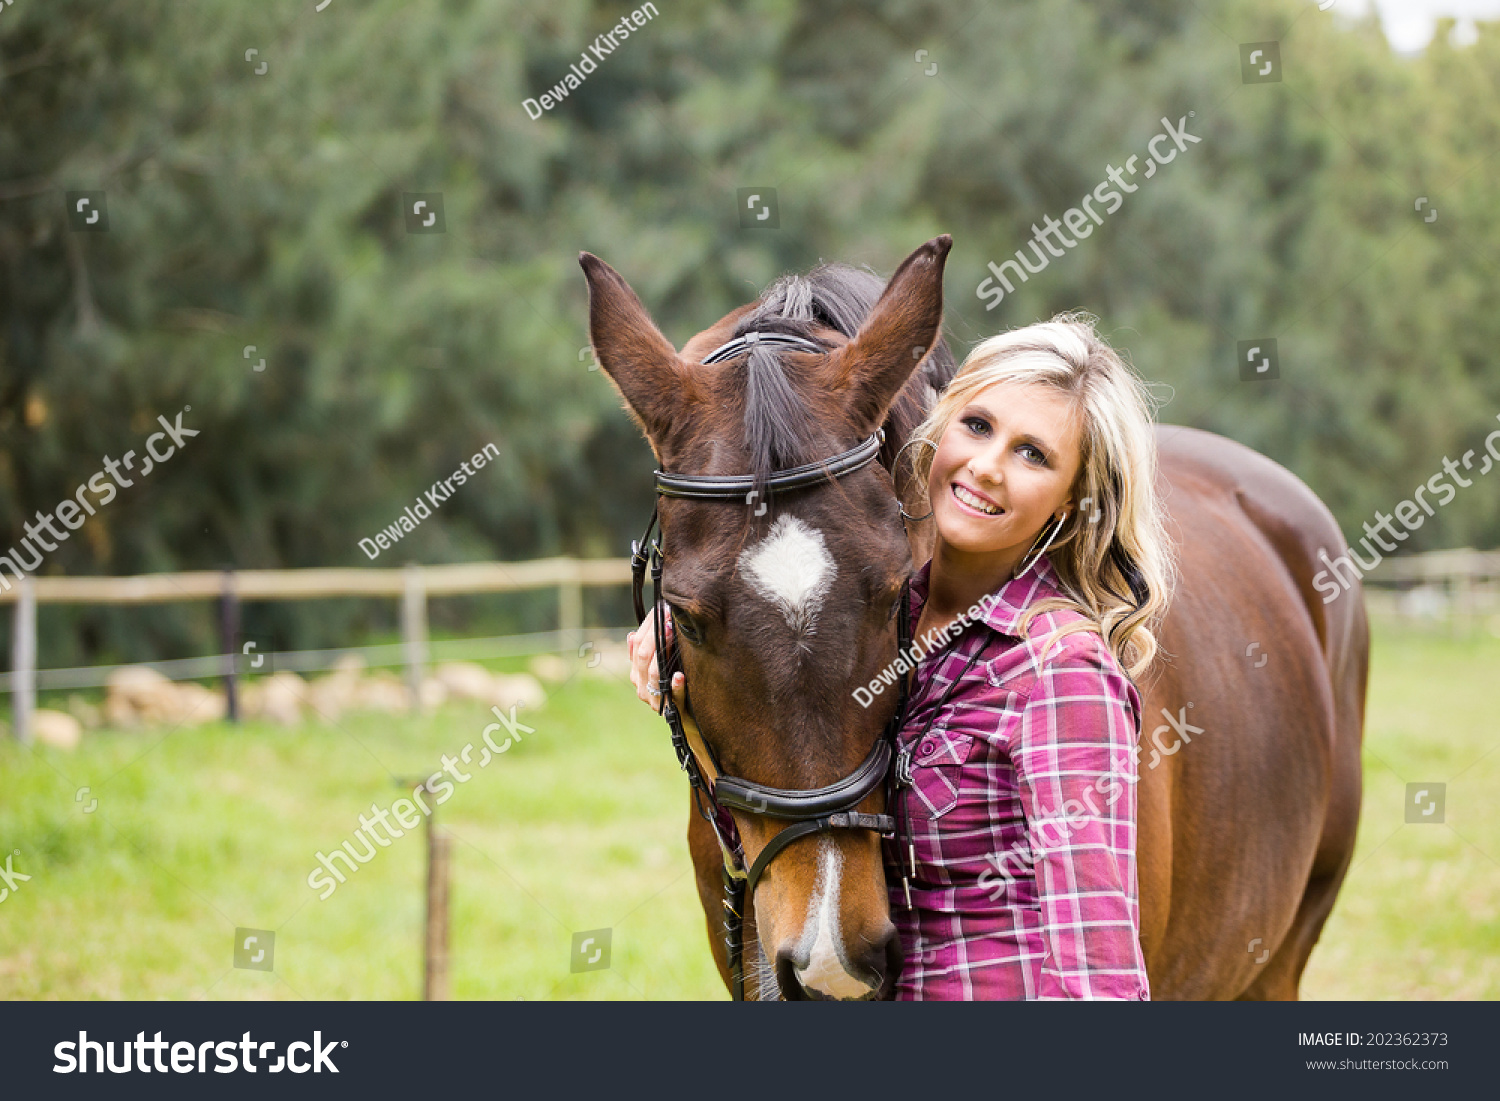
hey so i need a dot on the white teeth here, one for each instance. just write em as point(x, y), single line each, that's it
point(974, 502)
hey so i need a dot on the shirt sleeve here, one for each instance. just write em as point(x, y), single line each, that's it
point(1075, 764)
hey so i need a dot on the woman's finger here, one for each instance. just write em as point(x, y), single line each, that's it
point(642, 649)
point(644, 670)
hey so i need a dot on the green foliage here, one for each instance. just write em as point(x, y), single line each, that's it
point(266, 210)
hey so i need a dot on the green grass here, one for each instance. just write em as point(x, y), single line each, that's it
point(581, 826)
point(1419, 914)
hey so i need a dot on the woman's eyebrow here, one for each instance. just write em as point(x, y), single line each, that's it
point(1041, 445)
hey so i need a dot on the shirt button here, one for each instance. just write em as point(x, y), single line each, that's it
point(926, 747)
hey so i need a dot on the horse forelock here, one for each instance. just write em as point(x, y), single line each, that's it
point(785, 422)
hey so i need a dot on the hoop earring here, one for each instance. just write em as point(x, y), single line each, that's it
point(906, 517)
point(1031, 559)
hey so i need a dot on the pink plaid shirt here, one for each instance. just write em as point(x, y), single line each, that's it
point(1022, 812)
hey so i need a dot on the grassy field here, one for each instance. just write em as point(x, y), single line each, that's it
point(581, 827)
point(1419, 915)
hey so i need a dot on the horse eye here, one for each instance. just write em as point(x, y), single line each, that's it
point(686, 628)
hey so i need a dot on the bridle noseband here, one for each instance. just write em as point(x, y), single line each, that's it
point(812, 811)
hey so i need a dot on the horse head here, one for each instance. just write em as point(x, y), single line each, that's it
point(783, 602)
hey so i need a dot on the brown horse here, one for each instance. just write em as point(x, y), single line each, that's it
point(1248, 803)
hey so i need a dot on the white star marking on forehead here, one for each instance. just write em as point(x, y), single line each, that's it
point(792, 569)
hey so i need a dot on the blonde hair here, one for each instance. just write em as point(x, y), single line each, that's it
point(1118, 571)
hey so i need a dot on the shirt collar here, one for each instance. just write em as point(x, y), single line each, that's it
point(1007, 604)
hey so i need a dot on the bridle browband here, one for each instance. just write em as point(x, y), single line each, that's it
point(817, 810)
point(745, 341)
point(712, 487)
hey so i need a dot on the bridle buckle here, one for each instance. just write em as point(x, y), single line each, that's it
point(903, 767)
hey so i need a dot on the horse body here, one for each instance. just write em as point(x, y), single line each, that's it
point(1249, 776)
point(1246, 831)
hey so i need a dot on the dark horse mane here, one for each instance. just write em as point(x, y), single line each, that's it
point(780, 429)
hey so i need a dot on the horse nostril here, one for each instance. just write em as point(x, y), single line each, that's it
point(880, 962)
point(870, 971)
point(786, 976)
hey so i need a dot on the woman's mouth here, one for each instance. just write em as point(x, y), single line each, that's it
point(972, 502)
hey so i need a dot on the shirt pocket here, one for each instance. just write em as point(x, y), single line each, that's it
point(935, 767)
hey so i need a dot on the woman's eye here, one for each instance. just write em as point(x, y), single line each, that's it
point(977, 425)
point(1036, 455)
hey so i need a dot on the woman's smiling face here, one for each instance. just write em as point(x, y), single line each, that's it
point(1004, 467)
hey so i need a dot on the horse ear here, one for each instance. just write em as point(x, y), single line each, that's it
point(641, 362)
point(901, 329)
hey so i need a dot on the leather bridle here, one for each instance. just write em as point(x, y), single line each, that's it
point(817, 810)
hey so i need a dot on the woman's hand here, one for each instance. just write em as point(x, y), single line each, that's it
point(641, 645)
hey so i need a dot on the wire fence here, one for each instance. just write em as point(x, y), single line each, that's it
point(412, 585)
point(1461, 586)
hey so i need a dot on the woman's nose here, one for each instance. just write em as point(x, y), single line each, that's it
point(985, 471)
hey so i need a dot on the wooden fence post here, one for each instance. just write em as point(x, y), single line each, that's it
point(1463, 593)
point(435, 968)
point(229, 635)
point(414, 632)
point(570, 612)
point(23, 651)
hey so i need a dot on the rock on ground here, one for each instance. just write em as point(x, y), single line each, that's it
point(56, 728)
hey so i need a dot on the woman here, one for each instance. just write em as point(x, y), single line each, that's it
point(1014, 874)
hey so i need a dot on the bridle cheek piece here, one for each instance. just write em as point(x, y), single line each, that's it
point(818, 810)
